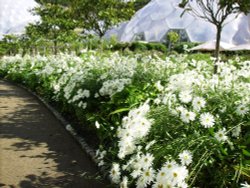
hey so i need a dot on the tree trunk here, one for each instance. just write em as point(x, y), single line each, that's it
point(55, 47)
point(217, 48)
point(169, 46)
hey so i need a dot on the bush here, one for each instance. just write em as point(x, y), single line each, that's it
point(138, 46)
point(159, 121)
point(120, 46)
point(157, 47)
point(182, 47)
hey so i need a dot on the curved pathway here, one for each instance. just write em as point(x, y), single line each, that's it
point(35, 149)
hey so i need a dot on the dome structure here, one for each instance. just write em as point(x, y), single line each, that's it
point(15, 15)
point(158, 17)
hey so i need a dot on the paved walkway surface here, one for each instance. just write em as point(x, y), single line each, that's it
point(35, 149)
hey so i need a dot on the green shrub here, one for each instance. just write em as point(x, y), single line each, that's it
point(120, 46)
point(183, 46)
point(157, 46)
point(138, 46)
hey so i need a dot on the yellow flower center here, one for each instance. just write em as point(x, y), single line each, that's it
point(175, 174)
point(147, 173)
point(160, 186)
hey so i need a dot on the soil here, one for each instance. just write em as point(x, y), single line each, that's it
point(36, 150)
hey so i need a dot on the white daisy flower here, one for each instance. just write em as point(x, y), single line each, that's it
point(187, 116)
point(158, 184)
point(178, 174)
point(124, 183)
point(207, 120)
point(185, 157)
point(180, 109)
point(236, 131)
point(146, 161)
point(242, 110)
point(136, 173)
point(115, 173)
point(182, 185)
point(221, 135)
point(169, 165)
point(185, 96)
point(198, 103)
point(161, 175)
point(146, 178)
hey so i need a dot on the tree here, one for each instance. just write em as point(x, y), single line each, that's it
point(59, 2)
point(99, 16)
point(55, 25)
point(215, 12)
point(9, 44)
point(172, 38)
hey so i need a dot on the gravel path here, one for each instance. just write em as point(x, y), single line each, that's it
point(35, 149)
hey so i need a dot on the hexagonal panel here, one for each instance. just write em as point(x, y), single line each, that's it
point(201, 31)
point(175, 21)
point(157, 31)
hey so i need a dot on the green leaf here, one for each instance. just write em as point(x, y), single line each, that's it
point(246, 153)
point(119, 111)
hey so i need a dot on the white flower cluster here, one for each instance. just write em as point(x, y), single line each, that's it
point(68, 75)
point(171, 174)
point(134, 127)
point(140, 167)
point(111, 87)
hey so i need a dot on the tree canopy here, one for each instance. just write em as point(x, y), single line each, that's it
point(55, 25)
point(99, 16)
point(95, 16)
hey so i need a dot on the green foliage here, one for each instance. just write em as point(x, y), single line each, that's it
point(60, 2)
point(120, 46)
point(229, 5)
point(3, 49)
point(173, 37)
point(182, 47)
point(157, 47)
point(237, 5)
point(9, 45)
point(138, 46)
point(56, 25)
point(99, 16)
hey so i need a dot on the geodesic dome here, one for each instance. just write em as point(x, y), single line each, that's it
point(158, 17)
point(15, 15)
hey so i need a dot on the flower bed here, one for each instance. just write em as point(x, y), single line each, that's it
point(159, 122)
